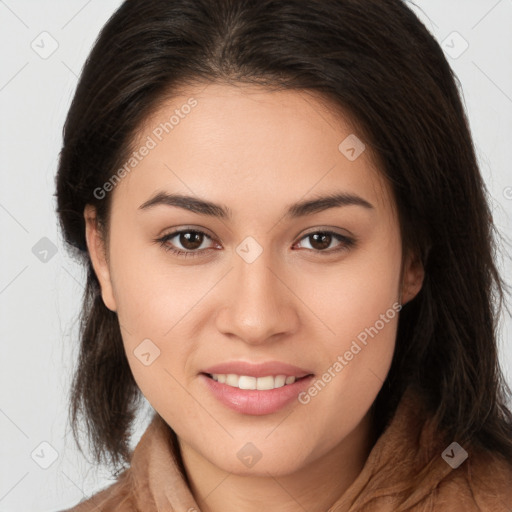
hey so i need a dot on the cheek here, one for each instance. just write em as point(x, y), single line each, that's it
point(154, 308)
point(358, 305)
point(153, 294)
point(162, 308)
point(157, 313)
point(351, 296)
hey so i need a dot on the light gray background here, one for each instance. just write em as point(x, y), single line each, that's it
point(39, 301)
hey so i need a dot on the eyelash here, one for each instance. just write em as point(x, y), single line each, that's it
point(347, 243)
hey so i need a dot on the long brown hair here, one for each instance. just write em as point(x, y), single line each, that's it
point(374, 60)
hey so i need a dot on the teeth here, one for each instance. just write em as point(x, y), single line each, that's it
point(247, 382)
point(279, 381)
point(263, 383)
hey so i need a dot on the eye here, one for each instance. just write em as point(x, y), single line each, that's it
point(322, 240)
point(190, 239)
point(193, 240)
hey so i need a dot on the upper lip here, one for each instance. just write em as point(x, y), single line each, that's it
point(258, 369)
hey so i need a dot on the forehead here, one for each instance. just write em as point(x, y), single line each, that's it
point(240, 142)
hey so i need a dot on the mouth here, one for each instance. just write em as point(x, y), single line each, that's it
point(249, 382)
point(255, 389)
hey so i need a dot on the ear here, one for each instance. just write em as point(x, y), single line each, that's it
point(412, 278)
point(98, 255)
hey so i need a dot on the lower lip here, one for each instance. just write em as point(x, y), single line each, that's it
point(253, 401)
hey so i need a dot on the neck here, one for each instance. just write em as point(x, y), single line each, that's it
point(316, 486)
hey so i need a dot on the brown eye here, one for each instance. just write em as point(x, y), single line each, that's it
point(320, 241)
point(186, 242)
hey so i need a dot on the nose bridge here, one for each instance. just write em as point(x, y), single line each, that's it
point(260, 306)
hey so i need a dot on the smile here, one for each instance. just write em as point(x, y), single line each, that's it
point(248, 382)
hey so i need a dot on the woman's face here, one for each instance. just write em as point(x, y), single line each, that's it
point(275, 282)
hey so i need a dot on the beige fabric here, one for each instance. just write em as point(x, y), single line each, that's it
point(404, 472)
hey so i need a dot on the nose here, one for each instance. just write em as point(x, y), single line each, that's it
point(259, 304)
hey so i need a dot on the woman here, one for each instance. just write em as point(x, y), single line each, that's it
point(290, 255)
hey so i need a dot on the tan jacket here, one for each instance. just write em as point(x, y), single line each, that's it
point(407, 470)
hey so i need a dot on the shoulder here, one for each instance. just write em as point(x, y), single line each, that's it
point(461, 475)
point(117, 497)
point(136, 486)
point(482, 482)
point(414, 466)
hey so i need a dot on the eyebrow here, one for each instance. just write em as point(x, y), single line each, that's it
point(296, 210)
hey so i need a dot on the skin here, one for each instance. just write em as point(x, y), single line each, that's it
point(257, 151)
